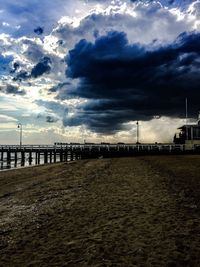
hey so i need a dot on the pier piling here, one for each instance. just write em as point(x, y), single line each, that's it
point(50, 156)
point(38, 157)
point(11, 155)
point(45, 157)
point(54, 156)
point(15, 158)
point(22, 158)
point(30, 158)
point(61, 155)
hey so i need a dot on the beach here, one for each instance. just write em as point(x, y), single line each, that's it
point(139, 211)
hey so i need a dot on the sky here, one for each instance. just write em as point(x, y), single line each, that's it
point(75, 70)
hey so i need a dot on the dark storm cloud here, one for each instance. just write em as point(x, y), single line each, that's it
point(42, 67)
point(15, 67)
point(22, 75)
point(126, 82)
point(39, 30)
point(51, 119)
point(59, 87)
point(10, 89)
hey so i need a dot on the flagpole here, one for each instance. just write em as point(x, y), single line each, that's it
point(186, 110)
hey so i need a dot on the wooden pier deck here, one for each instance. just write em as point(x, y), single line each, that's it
point(69, 152)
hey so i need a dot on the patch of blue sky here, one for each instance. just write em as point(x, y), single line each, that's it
point(5, 64)
point(31, 14)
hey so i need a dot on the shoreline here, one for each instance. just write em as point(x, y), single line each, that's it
point(34, 165)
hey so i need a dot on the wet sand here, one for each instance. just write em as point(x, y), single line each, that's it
point(142, 211)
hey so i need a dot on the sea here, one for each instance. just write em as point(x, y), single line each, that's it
point(12, 164)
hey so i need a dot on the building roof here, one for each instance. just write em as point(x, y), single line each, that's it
point(189, 126)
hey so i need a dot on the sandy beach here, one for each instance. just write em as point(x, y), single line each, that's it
point(141, 211)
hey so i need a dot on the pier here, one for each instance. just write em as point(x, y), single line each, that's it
point(26, 155)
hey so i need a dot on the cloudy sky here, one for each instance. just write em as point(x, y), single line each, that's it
point(74, 70)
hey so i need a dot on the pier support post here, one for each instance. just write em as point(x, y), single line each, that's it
point(54, 156)
point(22, 158)
point(45, 157)
point(8, 159)
point(61, 155)
point(8, 156)
point(15, 159)
point(2, 159)
point(50, 156)
point(65, 155)
point(30, 158)
point(36, 158)
point(72, 155)
point(39, 157)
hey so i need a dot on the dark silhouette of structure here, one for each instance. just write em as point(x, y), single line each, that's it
point(189, 135)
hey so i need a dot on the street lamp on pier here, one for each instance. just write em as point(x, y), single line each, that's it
point(20, 135)
point(137, 124)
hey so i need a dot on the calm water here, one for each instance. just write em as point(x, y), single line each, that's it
point(4, 165)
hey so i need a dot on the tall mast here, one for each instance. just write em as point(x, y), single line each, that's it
point(186, 110)
point(186, 116)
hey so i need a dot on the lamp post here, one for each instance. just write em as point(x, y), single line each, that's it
point(137, 123)
point(20, 127)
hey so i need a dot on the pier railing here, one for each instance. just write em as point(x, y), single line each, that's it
point(82, 146)
point(15, 155)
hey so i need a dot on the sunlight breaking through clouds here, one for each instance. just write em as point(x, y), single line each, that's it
point(104, 63)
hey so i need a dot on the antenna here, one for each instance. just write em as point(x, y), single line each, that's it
point(186, 117)
point(186, 110)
